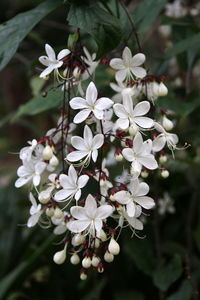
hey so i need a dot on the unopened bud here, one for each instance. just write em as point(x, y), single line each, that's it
point(102, 235)
point(60, 256)
point(83, 276)
point(96, 243)
point(162, 91)
point(108, 257)
point(47, 153)
point(54, 161)
point(165, 173)
point(95, 261)
point(167, 123)
point(162, 159)
point(133, 129)
point(58, 214)
point(50, 211)
point(100, 268)
point(78, 239)
point(113, 247)
point(75, 259)
point(119, 157)
point(86, 262)
point(144, 174)
point(44, 197)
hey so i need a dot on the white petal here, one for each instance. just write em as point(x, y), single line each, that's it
point(32, 221)
point(40, 167)
point(128, 154)
point(104, 211)
point(50, 52)
point(72, 174)
point(23, 171)
point(143, 189)
point(122, 123)
point(60, 229)
point(47, 71)
point(32, 199)
point(21, 181)
point(76, 155)
point(145, 202)
point(149, 162)
point(135, 223)
point(97, 141)
point(64, 181)
point(139, 72)
point(63, 194)
point(78, 212)
point(91, 93)
point(121, 75)
point(78, 103)
point(63, 53)
point(158, 143)
point(87, 135)
point(98, 224)
point(117, 63)
point(36, 180)
point(138, 142)
point(130, 209)
point(123, 197)
point(99, 114)
point(138, 59)
point(141, 108)
point(90, 206)
point(82, 181)
point(144, 122)
point(78, 143)
point(127, 56)
point(77, 195)
point(94, 155)
point(44, 60)
point(78, 225)
point(120, 111)
point(81, 116)
point(103, 103)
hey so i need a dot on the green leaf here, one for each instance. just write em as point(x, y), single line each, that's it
point(183, 293)
point(192, 42)
point(14, 31)
point(39, 104)
point(165, 276)
point(101, 25)
point(143, 19)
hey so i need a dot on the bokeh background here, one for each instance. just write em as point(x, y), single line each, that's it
point(165, 262)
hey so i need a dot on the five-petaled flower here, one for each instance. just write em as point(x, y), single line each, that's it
point(90, 217)
point(90, 105)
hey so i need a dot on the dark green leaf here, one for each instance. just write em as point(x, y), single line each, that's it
point(168, 274)
point(192, 42)
point(39, 104)
point(102, 26)
point(15, 30)
point(183, 293)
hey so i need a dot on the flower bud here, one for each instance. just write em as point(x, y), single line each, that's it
point(54, 161)
point(165, 173)
point(108, 257)
point(44, 197)
point(112, 198)
point(78, 239)
point(144, 174)
point(100, 268)
point(162, 159)
point(102, 235)
point(119, 157)
point(47, 153)
point(113, 247)
point(162, 91)
point(83, 276)
point(58, 214)
point(75, 259)
point(95, 261)
point(167, 123)
point(133, 129)
point(50, 211)
point(96, 243)
point(60, 256)
point(86, 262)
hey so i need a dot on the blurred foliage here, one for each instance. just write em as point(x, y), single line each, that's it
point(165, 262)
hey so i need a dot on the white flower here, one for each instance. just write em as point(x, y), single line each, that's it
point(35, 212)
point(30, 170)
point(140, 155)
point(26, 152)
point(132, 116)
point(86, 146)
point(137, 195)
point(90, 104)
point(71, 184)
point(166, 204)
point(163, 138)
point(133, 222)
point(50, 61)
point(91, 63)
point(128, 65)
point(90, 217)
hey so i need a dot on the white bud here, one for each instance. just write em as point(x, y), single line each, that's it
point(112, 198)
point(95, 261)
point(54, 161)
point(78, 239)
point(60, 256)
point(96, 243)
point(100, 268)
point(133, 129)
point(113, 247)
point(108, 257)
point(165, 173)
point(162, 159)
point(119, 157)
point(75, 259)
point(144, 174)
point(167, 123)
point(155, 89)
point(86, 262)
point(44, 197)
point(58, 214)
point(50, 211)
point(162, 91)
point(83, 276)
point(102, 182)
point(102, 235)
point(47, 153)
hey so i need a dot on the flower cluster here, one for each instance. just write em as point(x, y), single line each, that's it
point(86, 175)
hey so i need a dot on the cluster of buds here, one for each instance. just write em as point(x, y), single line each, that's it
point(86, 175)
